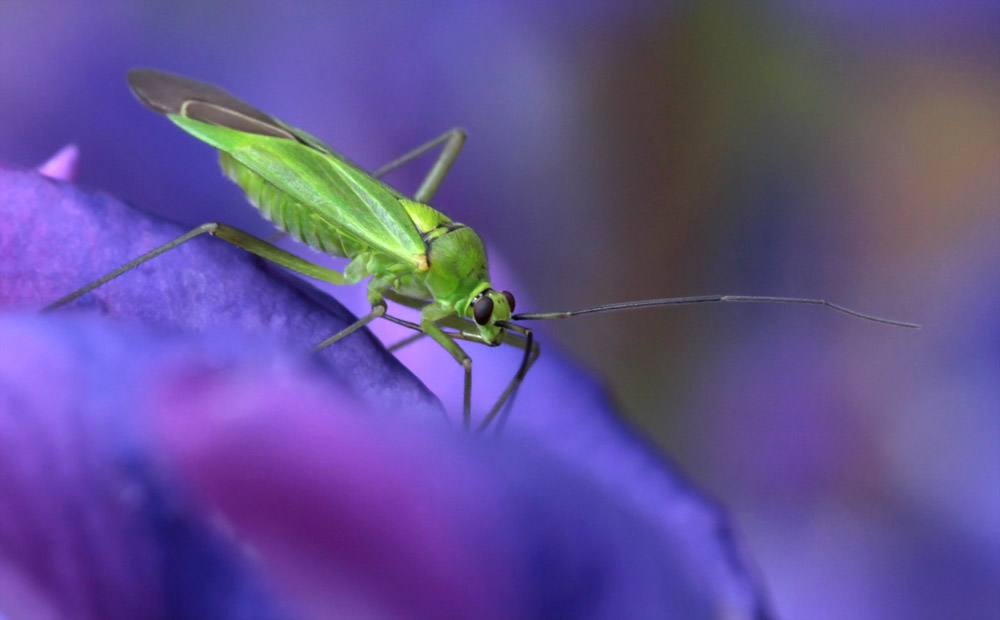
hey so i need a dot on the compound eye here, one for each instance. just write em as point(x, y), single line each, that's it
point(483, 310)
point(510, 299)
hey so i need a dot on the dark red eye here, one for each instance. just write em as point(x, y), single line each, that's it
point(510, 299)
point(483, 310)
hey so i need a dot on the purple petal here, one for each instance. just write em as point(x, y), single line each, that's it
point(304, 495)
point(89, 527)
point(55, 238)
point(207, 284)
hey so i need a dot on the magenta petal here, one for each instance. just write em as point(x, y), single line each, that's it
point(348, 516)
point(402, 522)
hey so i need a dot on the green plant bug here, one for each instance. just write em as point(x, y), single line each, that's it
point(410, 253)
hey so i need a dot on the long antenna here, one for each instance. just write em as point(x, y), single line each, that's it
point(707, 299)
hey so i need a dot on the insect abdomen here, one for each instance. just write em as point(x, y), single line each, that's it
point(289, 214)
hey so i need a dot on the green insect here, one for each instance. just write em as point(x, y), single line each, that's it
point(412, 254)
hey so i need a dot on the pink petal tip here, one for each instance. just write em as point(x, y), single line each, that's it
point(63, 165)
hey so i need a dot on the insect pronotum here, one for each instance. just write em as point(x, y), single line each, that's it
point(412, 254)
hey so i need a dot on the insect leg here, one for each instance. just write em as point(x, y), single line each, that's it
point(454, 335)
point(428, 316)
point(408, 302)
point(396, 346)
point(453, 139)
point(378, 309)
point(506, 401)
point(227, 233)
point(403, 300)
point(376, 287)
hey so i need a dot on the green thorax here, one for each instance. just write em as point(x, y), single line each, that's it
point(456, 259)
point(458, 270)
point(454, 270)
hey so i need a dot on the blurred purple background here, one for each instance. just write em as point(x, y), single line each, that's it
point(632, 150)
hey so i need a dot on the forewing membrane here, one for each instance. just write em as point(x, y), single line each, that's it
point(294, 161)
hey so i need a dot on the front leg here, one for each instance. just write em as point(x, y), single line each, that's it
point(506, 400)
point(376, 288)
point(428, 324)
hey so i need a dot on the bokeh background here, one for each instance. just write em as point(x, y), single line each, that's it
point(626, 150)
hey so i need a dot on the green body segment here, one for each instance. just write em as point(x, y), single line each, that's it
point(320, 198)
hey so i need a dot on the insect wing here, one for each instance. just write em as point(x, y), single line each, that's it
point(329, 185)
point(292, 160)
point(167, 93)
